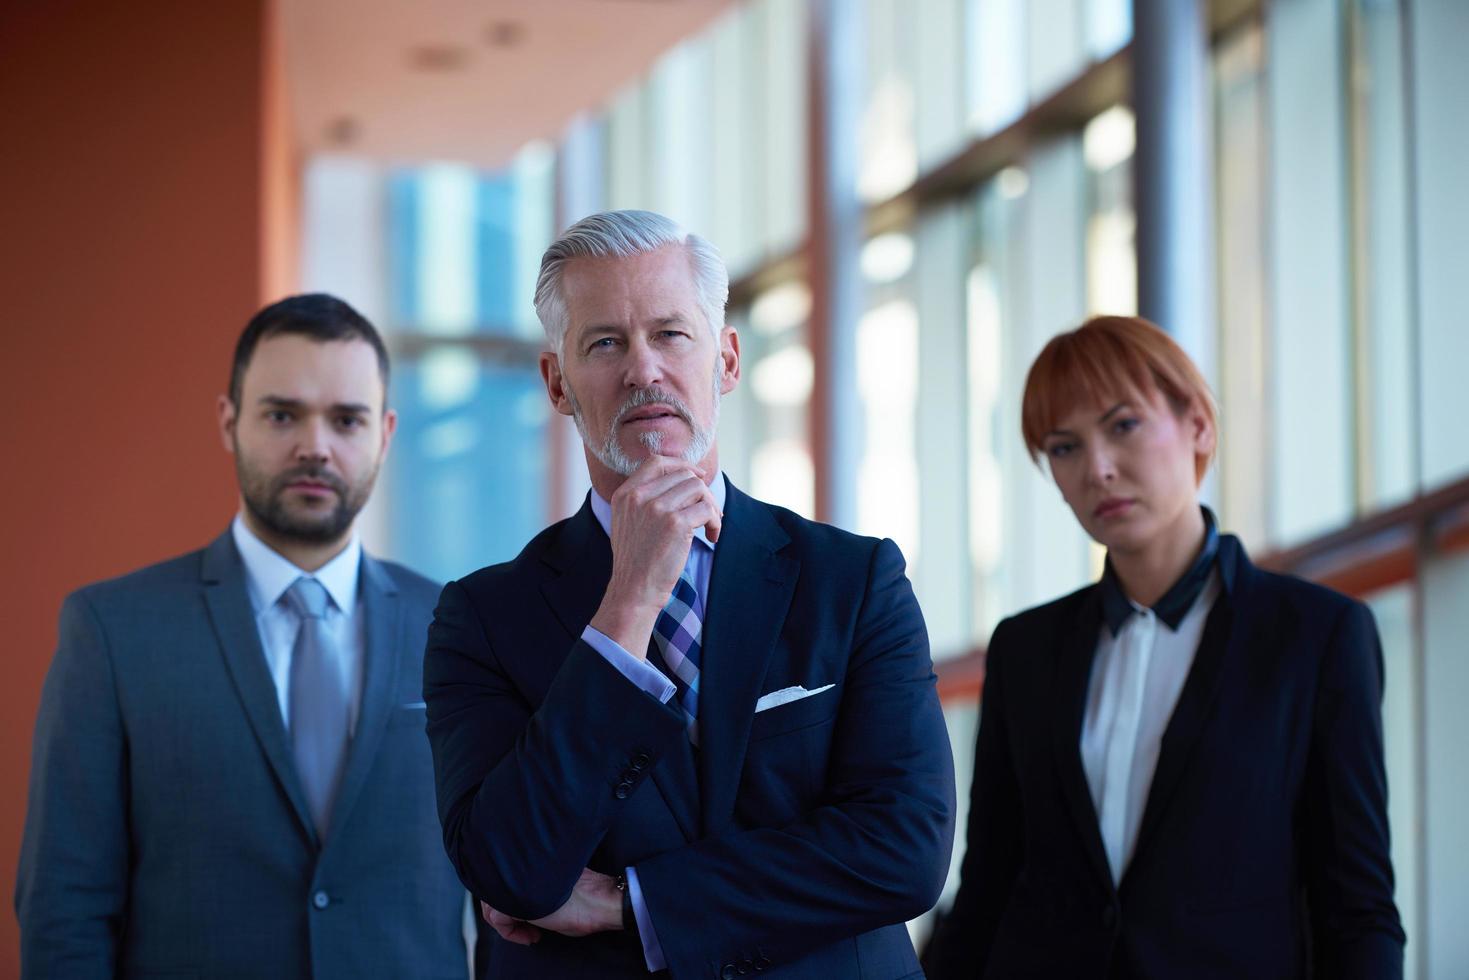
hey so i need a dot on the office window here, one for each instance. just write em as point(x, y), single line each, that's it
point(467, 478)
point(1310, 345)
point(465, 246)
point(736, 104)
point(1055, 45)
point(941, 570)
point(679, 155)
point(1239, 165)
point(1108, 26)
point(765, 423)
point(994, 64)
point(468, 472)
point(1401, 714)
point(780, 152)
point(629, 169)
point(939, 127)
point(714, 138)
point(888, 161)
point(1027, 283)
point(887, 386)
point(1442, 944)
point(1439, 79)
point(1111, 247)
point(1381, 274)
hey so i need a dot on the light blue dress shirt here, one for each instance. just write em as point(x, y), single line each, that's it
point(652, 680)
point(268, 575)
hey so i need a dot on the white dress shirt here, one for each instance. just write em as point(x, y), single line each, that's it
point(652, 680)
point(1137, 676)
point(267, 577)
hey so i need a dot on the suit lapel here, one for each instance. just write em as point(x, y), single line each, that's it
point(750, 589)
point(581, 560)
point(1224, 631)
point(383, 609)
point(225, 594)
point(1073, 671)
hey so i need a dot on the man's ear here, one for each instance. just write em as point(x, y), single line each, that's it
point(390, 425)
point(228, 417)
point(555, 383)
point(729, 356)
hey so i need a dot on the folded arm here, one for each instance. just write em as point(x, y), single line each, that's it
point(526, 796)
point(874, 852)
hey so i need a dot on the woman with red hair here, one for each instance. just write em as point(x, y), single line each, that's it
point(1179, 770)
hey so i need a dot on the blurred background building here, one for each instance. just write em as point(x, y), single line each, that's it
point(912, 197)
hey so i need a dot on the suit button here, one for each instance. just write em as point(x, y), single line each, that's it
point(729, 972)
point(762, 963)
point(745, 967)
point(320, 900)
point(1109, 917)
point(641, 761)
point(623, 789)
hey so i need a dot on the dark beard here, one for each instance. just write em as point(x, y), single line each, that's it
point(265, 499)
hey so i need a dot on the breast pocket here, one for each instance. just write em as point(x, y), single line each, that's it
point(807, 712)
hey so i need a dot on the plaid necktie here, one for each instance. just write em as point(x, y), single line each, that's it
point(676, 642)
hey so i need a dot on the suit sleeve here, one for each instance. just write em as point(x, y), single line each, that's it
point(876, 852)
point(526, 797)
point(1348, 866)
point(72, 886)
point(994, 841)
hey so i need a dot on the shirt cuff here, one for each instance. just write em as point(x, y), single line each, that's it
point(652, 952)
point(647, 677)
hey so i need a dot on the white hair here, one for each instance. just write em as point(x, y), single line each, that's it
point(623, 234)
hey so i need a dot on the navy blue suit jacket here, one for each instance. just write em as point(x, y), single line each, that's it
point(795, 841)
point(167, 832)
point(1263, 850)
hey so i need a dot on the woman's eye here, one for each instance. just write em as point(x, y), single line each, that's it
point(1059, 449)
point(1125, 426)
point(278, 416)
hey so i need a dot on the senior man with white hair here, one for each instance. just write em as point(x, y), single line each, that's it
point(683, 730)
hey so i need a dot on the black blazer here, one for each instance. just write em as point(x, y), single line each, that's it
point(1263, 849)
point(794, 842)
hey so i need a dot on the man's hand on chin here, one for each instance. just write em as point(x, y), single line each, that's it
point(595, 906)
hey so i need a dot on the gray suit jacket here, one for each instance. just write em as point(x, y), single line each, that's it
point(167, 833)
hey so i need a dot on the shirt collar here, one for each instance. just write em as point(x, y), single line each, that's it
point(602, 510)
point(1177, 601)
point(269, 574)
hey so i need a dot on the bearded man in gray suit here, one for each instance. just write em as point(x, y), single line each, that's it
point(230, 774)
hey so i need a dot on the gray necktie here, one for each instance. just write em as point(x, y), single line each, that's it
point(318, 703)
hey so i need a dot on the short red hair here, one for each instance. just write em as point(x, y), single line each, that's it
point(1107, 358)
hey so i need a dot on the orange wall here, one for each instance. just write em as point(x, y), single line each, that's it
point(132, 252)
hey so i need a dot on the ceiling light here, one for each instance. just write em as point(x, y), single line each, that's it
point(505, 33)
point(438, 57)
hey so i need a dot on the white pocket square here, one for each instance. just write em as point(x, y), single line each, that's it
point(786, 695)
